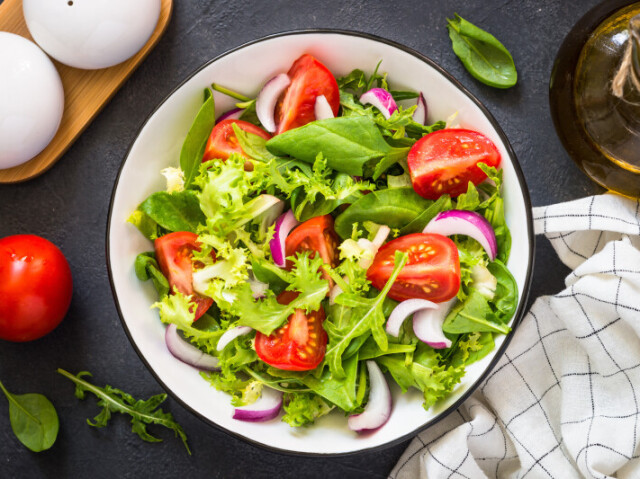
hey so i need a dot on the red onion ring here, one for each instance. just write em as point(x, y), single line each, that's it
point(284, 224)
point(267, 99)
point(188, 353)
point(378, 409)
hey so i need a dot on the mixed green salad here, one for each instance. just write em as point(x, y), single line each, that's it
point(304, 229)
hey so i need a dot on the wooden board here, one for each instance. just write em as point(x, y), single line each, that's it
point(86, 92)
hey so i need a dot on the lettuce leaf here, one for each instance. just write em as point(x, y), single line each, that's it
point(266, 314)
point(366, 315)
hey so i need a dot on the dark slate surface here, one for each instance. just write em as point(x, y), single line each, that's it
point(68, 205)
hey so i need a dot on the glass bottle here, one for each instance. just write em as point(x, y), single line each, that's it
point(595, 95)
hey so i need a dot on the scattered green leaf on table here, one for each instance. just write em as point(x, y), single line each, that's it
point(142, 412)
point(482, 54)
point(33, 419)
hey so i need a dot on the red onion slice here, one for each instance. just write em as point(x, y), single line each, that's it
point(267, 99)
point(234, 114)
point(378, 409)
point(468, 223)
point(420, 113)
point(322, 108)
point(403, 311)
point(188, 353)
point(381, 99)
point(284, 225)
point(427, 325)
point(231, 334)
point(265, 408)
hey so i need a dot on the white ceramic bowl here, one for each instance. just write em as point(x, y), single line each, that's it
point(157, 146)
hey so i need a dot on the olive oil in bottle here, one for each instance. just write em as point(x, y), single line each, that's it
point(595, 95)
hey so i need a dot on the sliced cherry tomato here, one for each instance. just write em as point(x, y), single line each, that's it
point(445, 161)
point(174, 253)
point(432, 271)
point(309, 80)
point(316, 234)
point(299, 345)
point(35, 287)
point(222, 141)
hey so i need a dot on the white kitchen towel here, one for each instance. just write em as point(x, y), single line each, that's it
point(564, 400)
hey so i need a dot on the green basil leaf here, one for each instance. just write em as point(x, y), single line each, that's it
point(196, 140)
point(178, 211)
point(482, 54)
point(347, 143)
point(33, 419)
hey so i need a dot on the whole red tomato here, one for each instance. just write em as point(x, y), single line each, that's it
point(35, 287)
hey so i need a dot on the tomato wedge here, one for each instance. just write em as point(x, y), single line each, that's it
point(222, 141)
point(432, 271)
point(309, 79)
point(445, 161)
point(174, 253)
point(316, 234)
point(299, 345)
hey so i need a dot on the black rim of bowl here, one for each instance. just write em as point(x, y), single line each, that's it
point(525, 293)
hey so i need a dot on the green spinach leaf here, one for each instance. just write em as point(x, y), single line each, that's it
point(506, 295)
point(417, 224)
point(194, 143)
point(146, 268)
point(142, 412)
point(394, 207)
point(347, 143)
point(33, 419)
point(482, 54)
point(178, 211)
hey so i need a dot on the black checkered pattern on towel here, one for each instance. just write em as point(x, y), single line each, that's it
point(564, 400)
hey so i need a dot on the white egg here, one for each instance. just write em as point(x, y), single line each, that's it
point(31, 100)
point(91, 34)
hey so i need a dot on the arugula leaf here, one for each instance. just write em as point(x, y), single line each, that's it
point(338, 390)
point(424, 373)
point(395, 207)
point(371, 350)
point(482, 54)
point(33, 419)
point(356, 80)
point(146, 268)
point(347, 143)
point(142, 412)
point(178, 211)
point(196, 140)
point(367, 316)
point(471, 316)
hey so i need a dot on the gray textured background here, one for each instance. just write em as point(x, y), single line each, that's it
point(68, 205)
